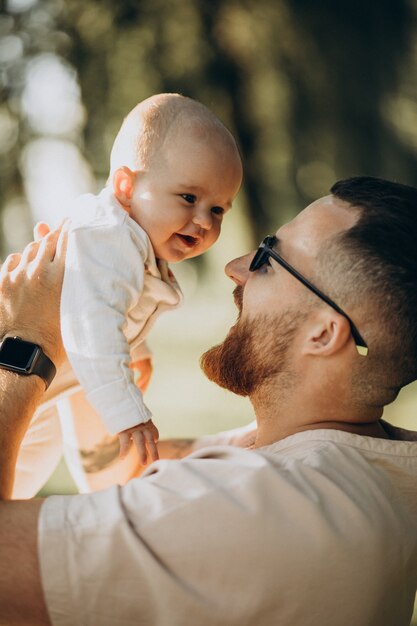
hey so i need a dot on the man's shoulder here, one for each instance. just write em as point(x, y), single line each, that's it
point(319, 462)
point(334, 464)
point(241, 473)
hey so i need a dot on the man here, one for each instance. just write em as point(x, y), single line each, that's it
point(317, 523)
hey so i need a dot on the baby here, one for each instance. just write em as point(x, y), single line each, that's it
point(175, 171)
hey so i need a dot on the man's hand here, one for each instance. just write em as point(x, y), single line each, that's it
point(145, 437)
point(143, 369)
point(30, 287)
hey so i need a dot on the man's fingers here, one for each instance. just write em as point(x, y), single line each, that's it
point(29, 253)
point(30, 294)
point(139, 440)
point(125, 442)
point(53, 245)
point(61, 246)
point(11, 262)
point(151, 445)
point(41, 229)
point(48, 245)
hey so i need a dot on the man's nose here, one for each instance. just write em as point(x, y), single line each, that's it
point(238, 269)
point(203, 218)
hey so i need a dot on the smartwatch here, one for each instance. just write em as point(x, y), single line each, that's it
point(26, 358)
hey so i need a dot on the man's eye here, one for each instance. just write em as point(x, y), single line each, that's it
point(265, 266)
point(217, 210)
point(189, 197)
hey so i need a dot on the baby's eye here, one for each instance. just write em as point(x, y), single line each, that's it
point(217, 210)
point(189, 197)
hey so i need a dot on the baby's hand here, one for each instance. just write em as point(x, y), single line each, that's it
point(145, 437)
point(144, 369)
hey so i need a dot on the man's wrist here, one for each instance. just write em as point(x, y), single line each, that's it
point(29, 384)
point(20, 397)
point(26, 358)
point(28, 335)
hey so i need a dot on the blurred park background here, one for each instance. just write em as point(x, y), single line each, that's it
point(313, 90)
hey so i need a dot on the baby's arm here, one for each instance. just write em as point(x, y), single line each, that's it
point(142, 371)
point(142, 365)
point(103, 280)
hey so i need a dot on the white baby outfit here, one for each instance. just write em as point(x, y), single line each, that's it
point(113, 291)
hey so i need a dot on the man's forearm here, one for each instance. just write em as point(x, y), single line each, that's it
point(30, 288)
point(175, 448)
point(21, 596)
point(241, 437)
point(19, 397)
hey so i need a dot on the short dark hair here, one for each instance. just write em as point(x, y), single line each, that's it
point(380, 253)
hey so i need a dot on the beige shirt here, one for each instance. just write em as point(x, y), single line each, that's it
point(319, 529)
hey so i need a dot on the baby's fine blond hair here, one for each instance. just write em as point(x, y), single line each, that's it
point(158, 118)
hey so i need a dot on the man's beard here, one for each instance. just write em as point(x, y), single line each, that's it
point(253, 352)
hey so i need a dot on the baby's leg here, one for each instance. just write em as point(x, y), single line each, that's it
point(39, 453)
point(91, 454)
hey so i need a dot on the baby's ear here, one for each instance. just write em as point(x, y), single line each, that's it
point(123, 184)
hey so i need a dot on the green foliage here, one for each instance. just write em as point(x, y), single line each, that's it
point(314, 91)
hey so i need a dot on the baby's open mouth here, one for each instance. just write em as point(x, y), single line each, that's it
point(188, 240)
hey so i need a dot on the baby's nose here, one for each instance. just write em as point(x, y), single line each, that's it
point(204, 219)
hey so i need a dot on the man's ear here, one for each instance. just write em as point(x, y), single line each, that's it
point(123, 185)
point(328, 333)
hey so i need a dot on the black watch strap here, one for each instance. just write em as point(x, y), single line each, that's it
point(26, 358)
point(44, 368)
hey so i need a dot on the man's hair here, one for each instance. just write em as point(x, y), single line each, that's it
point(146, 128)
point(375, 274)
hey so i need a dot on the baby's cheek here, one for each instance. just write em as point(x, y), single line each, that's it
point(216, 230)
point(210, 240)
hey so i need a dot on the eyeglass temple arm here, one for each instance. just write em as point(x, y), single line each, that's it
point(361, 346)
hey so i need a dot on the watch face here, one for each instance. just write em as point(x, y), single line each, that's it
point(17, 353)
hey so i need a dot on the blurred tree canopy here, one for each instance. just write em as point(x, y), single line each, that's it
point(313, 90)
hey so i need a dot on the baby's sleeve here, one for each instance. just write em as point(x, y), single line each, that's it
point(141, 351)
point(103, 279)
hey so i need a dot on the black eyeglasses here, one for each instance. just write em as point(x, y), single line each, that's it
point(261, 257)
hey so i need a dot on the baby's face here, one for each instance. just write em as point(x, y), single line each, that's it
point(181, 201)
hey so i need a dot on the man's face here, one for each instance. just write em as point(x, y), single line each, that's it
point(253, 351)
point(181, 201)
point(272, 303)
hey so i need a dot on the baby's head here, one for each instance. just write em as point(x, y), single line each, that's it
point(176, 169)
